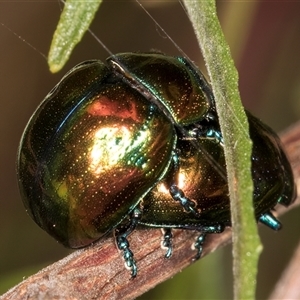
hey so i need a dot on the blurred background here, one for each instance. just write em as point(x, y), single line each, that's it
point(264, 38)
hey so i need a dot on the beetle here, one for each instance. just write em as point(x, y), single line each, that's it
point(136, 141)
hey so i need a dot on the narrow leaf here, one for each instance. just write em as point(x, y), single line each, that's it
point(74, 22)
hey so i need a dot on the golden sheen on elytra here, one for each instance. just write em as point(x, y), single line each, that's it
point(137, 141)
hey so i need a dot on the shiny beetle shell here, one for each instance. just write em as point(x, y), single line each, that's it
point(136, 141)
point(96, 145)
point(200, 182)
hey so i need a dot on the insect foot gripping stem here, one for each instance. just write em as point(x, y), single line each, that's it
point(167, 241)
point(201, 238)
point(123, 245)
point(121, 234)
point(199, 245)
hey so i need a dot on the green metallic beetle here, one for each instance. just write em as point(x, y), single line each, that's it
point(137, 141)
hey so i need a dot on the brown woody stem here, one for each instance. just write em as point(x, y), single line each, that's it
point(98, 272)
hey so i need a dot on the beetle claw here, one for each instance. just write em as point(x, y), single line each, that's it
point(121, 234)
point(188, 205)
point(123, 245)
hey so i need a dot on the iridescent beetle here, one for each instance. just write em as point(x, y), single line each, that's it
point(137, 141)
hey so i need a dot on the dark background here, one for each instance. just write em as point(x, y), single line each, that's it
point(264, 39)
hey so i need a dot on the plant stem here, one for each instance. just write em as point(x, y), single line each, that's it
point(237, 144)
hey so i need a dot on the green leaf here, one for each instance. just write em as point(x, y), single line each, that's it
point(74, 22)
point(237, 143)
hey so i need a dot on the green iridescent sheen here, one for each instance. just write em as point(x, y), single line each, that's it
point(203, 184)
point(91, 151)
point(137, 141)
point(174, 83)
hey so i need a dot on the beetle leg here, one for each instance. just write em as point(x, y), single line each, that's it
point(201, 238)
point(269, 220)
point(123, 245)
point(121, 234)
point(199, 245)
point(167, 241)
point(177, 194)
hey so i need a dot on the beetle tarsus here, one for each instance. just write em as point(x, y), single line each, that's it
point(121, 234)
point(123, 245)
point(199, 245)
point(201, 238)
point(167, 242)
point(178, 195)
